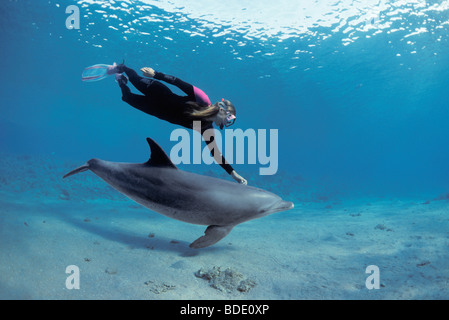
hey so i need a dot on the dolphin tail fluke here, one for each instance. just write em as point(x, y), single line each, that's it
point(77, 170)
point(212, 235)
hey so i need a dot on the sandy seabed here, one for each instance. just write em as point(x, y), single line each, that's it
point(318, 250)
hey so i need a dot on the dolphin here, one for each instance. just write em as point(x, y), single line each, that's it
point(160, 186)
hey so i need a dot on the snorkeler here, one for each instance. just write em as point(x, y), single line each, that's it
point(159, 101)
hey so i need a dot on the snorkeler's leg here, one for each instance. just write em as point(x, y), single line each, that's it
point(149, 87)
point(135, 100)
point(139, 82)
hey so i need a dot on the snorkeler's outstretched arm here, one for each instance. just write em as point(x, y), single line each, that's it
point(238, 178)
point(187, 88)
point(220, 159)
point(217, 155)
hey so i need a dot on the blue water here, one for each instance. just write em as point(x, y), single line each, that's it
point(357, 90)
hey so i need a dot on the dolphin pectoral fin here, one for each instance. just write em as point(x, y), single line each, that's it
point(212, 235)
point(77, 170)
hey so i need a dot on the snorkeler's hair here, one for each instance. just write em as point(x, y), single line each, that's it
point(196, 111)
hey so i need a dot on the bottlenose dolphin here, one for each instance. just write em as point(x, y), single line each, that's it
point(160, 186)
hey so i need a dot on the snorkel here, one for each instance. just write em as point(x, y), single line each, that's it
point(228, 107)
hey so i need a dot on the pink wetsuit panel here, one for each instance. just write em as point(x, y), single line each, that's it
point(201, 97)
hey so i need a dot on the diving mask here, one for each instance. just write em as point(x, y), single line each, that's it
point(230, 118)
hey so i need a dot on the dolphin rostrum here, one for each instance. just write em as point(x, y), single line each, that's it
point(160, 186)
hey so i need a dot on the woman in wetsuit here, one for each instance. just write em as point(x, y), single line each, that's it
point(159, 101)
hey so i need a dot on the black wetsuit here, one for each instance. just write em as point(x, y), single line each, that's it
point(159, 101)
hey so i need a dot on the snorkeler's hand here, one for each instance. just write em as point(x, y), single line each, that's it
point(239, 178)
point(148, 72)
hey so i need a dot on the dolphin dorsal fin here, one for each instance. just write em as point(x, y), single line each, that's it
point(158, 157)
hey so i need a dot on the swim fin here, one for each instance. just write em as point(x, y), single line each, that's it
point(96, 72)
